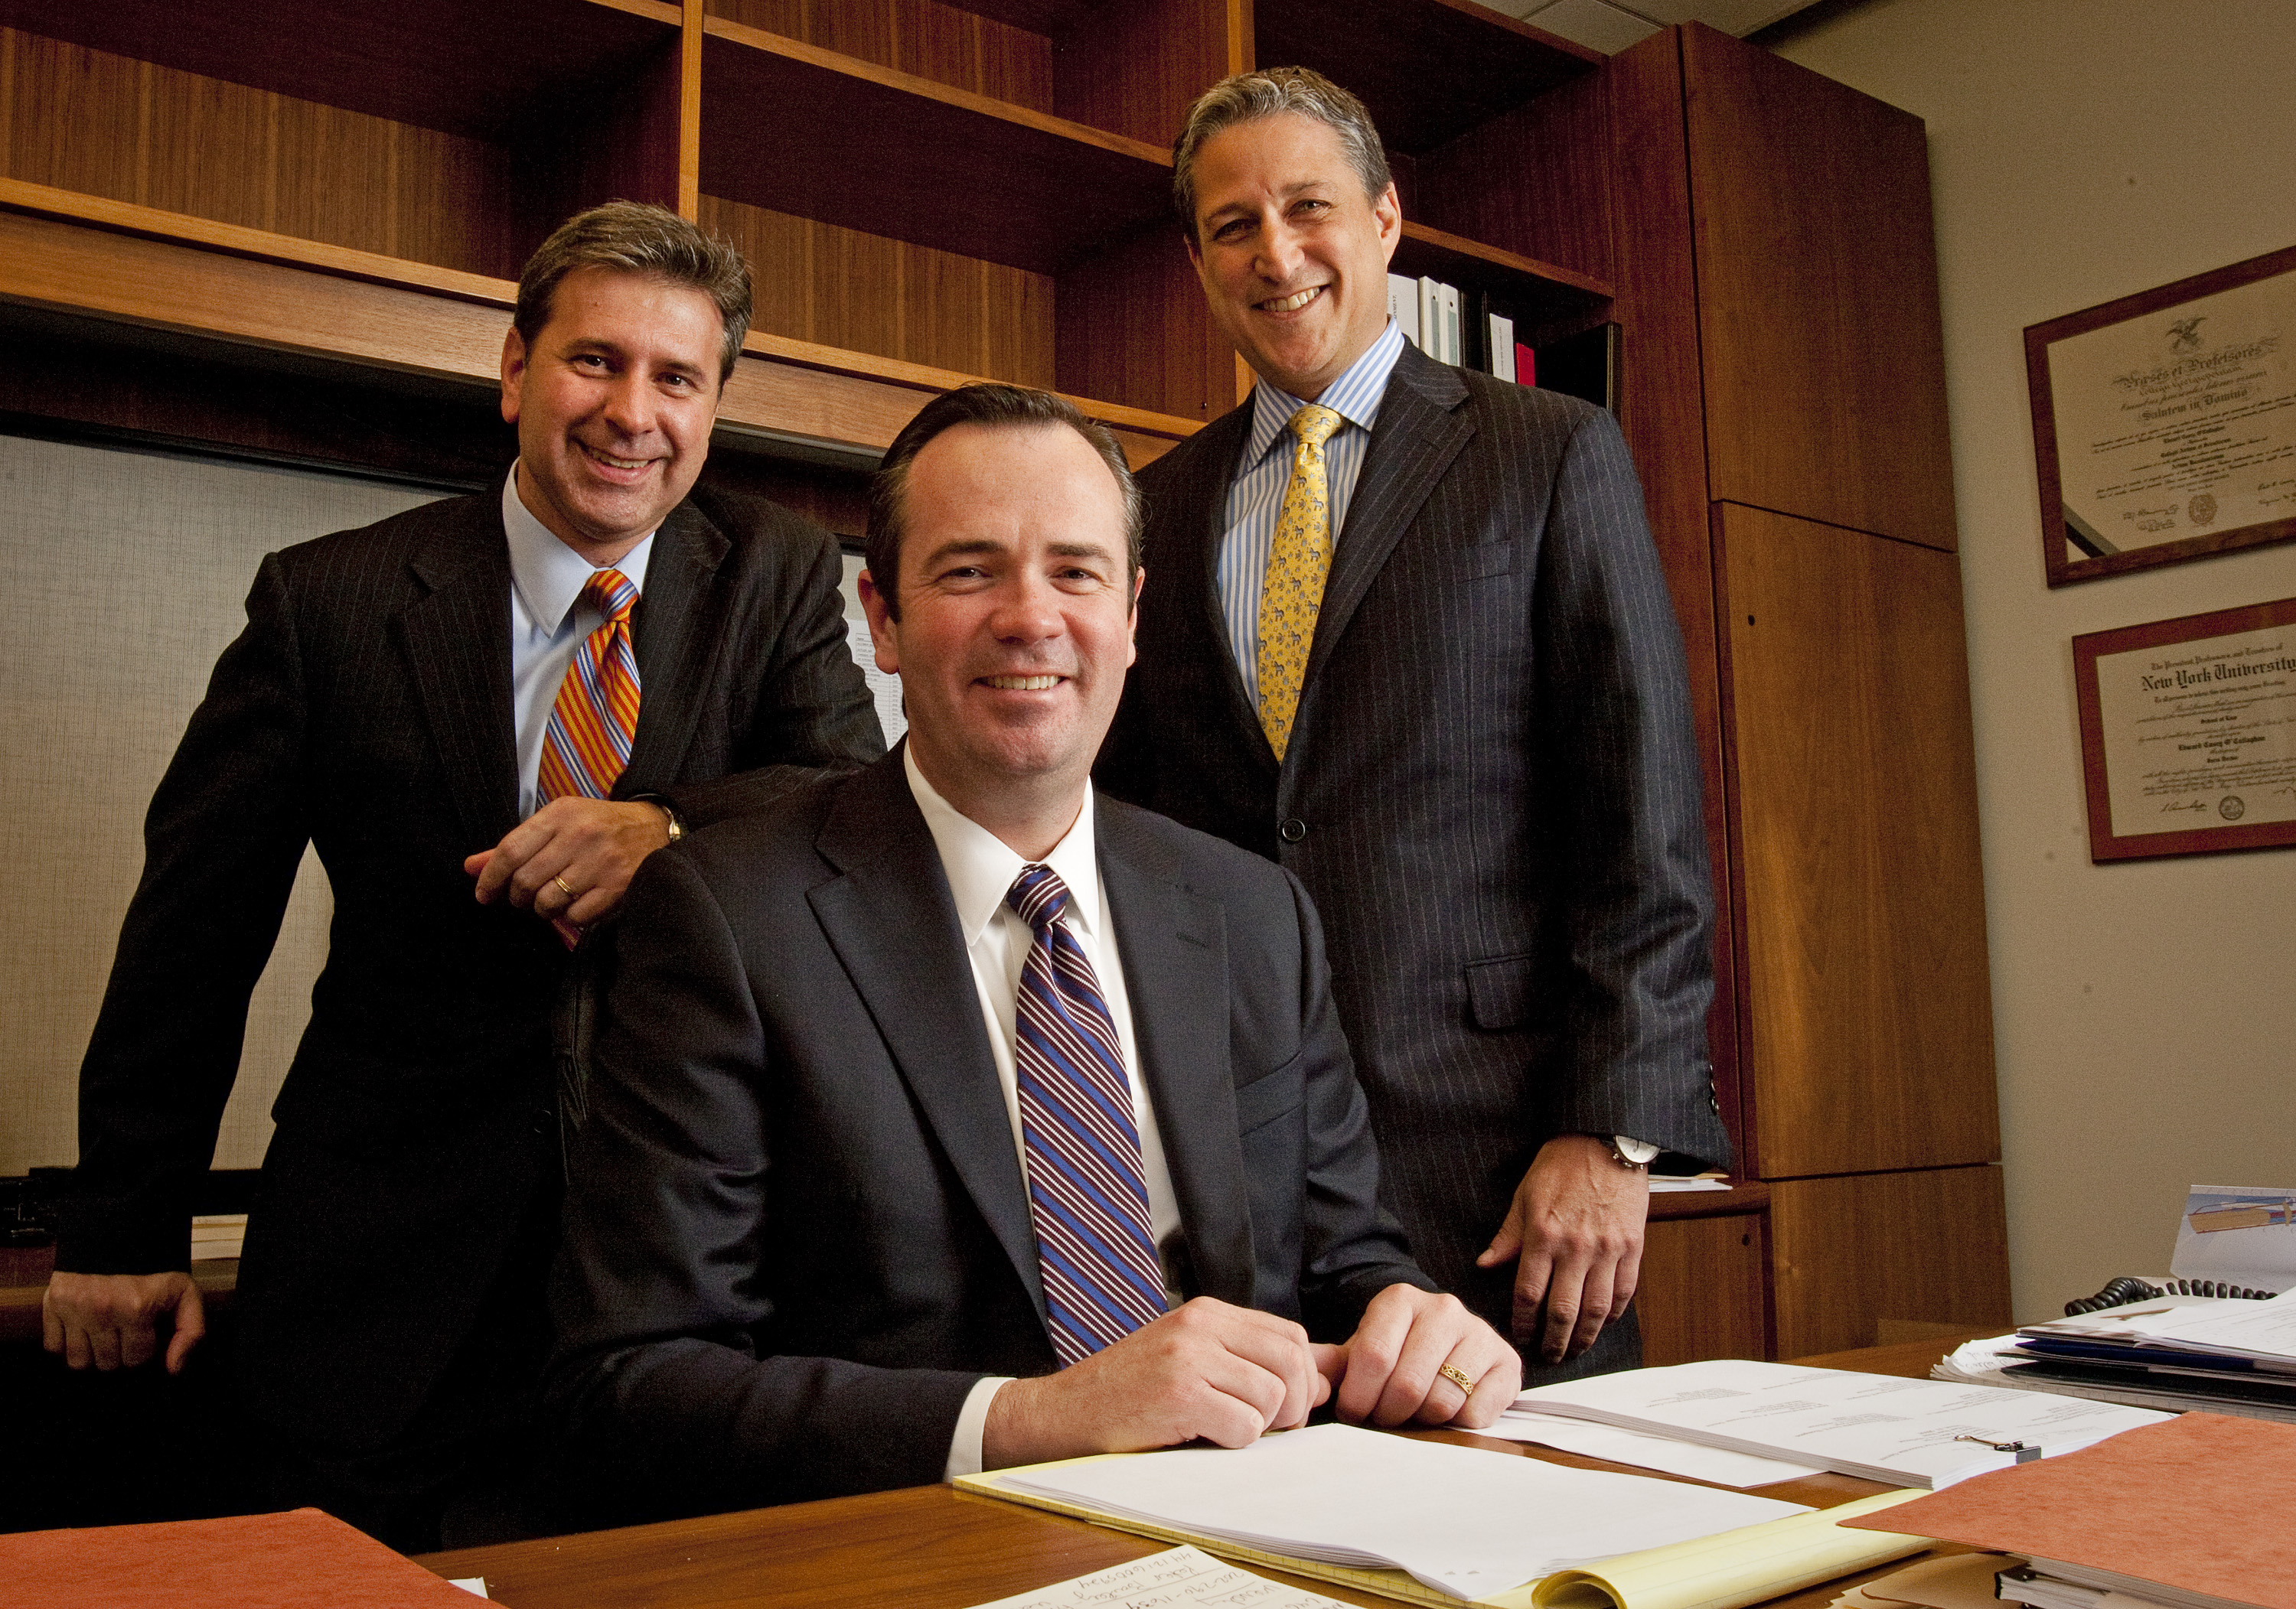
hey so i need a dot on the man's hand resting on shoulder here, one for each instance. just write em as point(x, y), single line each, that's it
point(1228, 1375)
point(106, 1321)
point(570, 861)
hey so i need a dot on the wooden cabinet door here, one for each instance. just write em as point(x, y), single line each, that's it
point(1930, 1245)
point(1865, 1006)
point(1817, 295)
point(1704, 1294)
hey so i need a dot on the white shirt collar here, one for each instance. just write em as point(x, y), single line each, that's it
point(550, 576)
point(983, 868)
point(1355, 395)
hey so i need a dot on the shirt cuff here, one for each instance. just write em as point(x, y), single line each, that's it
point(972, 1421)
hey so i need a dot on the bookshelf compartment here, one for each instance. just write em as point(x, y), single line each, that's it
point(475, 70)
point(961, 48)
point(793, 128)
point(1539, 295)
point(106, 126)
point(841, 288)
point(1429, 70)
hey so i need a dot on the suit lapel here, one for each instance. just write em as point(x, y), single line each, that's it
point(1421, 429)
point(456, 640)
point(680, 626)
point(1213, 454)
point(893, 924)
point(1175, 948)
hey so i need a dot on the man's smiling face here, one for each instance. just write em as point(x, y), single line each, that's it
point(1016, 612)
point(613, 404)
point(1292, 254)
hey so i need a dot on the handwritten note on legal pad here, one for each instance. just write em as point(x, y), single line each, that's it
point(1180, 1576)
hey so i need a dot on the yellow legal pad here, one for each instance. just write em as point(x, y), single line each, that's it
point(1725, 1571)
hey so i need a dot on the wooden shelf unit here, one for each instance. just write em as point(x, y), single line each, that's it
point(930, 192)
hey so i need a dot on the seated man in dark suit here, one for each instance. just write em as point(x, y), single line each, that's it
point(947, 1117)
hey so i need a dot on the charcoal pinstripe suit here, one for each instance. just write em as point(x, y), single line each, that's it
point(1492, 786)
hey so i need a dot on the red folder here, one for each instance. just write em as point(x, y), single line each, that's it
point(2204, 1502)
point(300, 1560)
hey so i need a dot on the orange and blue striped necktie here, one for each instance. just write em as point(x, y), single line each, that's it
point(596, 716)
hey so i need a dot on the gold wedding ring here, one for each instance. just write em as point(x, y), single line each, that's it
point(564, 889)
point(1457, 1376)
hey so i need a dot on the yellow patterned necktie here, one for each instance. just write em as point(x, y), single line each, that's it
point(1297, 561)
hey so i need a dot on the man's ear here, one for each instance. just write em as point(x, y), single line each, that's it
point(514, 372)
point(884, 632)
point(1387, 213)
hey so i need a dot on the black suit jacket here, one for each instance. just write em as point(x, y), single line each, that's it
point(367, 710)
point(1491, 790)
point(797, 1231)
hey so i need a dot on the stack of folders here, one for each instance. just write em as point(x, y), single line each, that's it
point(2190, 1514)
point(1453, 327)
point(1879, 1428)
point(2226, 1355)
point(1434, 1524)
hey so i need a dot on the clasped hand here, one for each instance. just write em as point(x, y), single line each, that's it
point(1227, 1375)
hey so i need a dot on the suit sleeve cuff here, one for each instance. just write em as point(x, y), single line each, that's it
point(971, 1422)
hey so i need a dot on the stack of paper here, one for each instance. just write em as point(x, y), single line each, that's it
point(2191, 1513)
point(1902, 1432)
point(1463, 1521)
point(2177, 1352)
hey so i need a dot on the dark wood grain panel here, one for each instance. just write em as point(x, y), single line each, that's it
point(938, 166)
point(1661, 412)
point(958, 47)
point(1848, 1253)
point(1866, 1014)
point(475, 70)
point(1535, 181)
point(1133, 327)
point(1817, 295)
point(1136, 69)
point(841, 288)
point(1704, 1291)
point(103, 124)
point(1428, 70)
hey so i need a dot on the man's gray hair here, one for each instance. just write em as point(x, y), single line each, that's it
point(1248, 97)
point(636, 237)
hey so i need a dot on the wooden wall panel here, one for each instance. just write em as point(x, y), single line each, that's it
point(1132, 328)
point(1817, 295)
point(1135, 69)
point(1848, 1253)
point(944, 43)
point(1535, 182)
point(1702, 1290)
point(102, 124)
point(1867, 1015)
point(862, 292)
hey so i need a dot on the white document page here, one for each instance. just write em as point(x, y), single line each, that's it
point(2263, 1330)
point(1909, 1432)
point(1647, 1451)
point(1184, 1575)
point(1459, 1519)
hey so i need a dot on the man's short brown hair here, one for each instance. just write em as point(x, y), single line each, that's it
point(635, 237)
point(1248, 97)
point(998, 407)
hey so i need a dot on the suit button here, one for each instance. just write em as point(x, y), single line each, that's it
point(546, 1125)
point(1293, 831)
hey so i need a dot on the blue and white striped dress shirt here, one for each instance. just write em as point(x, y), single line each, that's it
point(1255, 498)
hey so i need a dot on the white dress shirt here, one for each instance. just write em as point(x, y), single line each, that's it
point(548, 620)
point(981, 871)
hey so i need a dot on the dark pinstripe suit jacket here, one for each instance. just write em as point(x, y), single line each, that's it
point(365, 709)
point(1492, 786)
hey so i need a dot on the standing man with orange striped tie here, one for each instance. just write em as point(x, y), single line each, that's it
point(947, 1117)
point(560, 676)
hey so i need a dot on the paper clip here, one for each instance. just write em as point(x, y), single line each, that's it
point(2025, 1454)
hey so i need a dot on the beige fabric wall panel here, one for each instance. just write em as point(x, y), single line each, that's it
point(127, 573)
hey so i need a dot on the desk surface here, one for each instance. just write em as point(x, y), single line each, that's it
point(933, 1547)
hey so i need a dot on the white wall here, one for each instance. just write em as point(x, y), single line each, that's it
point(2144, 1012)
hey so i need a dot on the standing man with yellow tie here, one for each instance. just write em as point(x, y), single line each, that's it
point(1405, 634)
point(535, 687)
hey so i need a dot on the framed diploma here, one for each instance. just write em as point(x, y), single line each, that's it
point(2164, 424)
point(2188, 732)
